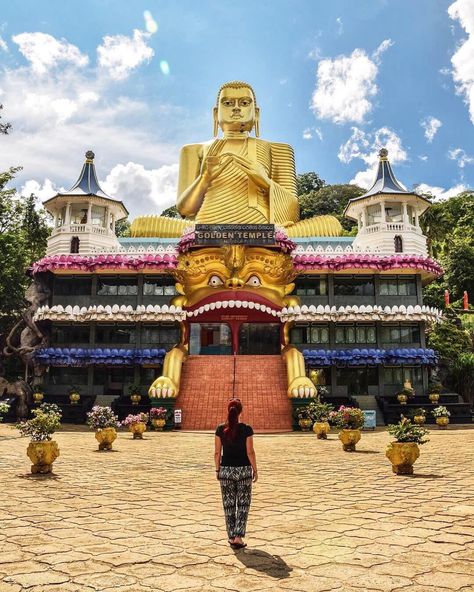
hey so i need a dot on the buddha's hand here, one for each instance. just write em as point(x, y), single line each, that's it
point(254, 170)
point(162, 387)
point(213, 166)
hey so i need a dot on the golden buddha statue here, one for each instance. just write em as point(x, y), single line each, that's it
point(237, 179)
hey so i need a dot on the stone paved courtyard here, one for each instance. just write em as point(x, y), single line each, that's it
point(148, 517)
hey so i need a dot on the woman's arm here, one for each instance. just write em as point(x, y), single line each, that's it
point(252, 457)
point(217, 454)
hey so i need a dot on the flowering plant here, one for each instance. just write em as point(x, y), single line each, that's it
point(435, 387)
point(419, 411)
point(158, 413)
point(440, 411)
point(4, 407)
point(347, 418)
point(46, 420)
point(102, 417)
point(320, 411)
point(132, 419)
point(134, 389)
point(405, 431)
point(303, 413)
point(322, 390)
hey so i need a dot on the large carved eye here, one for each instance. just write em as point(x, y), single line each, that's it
point(254, 281)
point(215, 281)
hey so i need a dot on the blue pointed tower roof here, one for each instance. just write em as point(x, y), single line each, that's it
point(385, 180)
point(87, 183)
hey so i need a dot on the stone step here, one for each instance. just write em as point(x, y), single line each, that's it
point(208, 382)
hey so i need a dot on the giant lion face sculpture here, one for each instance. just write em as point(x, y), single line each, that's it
point(235, 273)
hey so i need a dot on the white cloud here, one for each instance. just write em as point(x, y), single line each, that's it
point(3, 44)
point(308, 133)
point(365, 146)
point(439, 193)
point(150, 24)
point(423, 157)
point(460, 156)
point(431, 126)
point(340, 26)
point(463, 59)
point(43, 190)
point(45, 52)
point(143, 190)
point(119, 54)
point(345, 86)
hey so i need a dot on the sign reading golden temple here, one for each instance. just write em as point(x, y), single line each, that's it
point(237, 234)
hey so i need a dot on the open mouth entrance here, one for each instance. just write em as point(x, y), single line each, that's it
point(237, 338)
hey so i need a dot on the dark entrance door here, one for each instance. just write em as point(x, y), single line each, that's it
point(259, 339)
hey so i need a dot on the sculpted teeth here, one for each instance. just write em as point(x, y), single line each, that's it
point(234, 304)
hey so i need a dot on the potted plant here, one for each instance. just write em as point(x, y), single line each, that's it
point(419, 416)
point(4, 407)
point(303, 415)
point(158, 417)
point(74, 395)
point(434, 389)
point(406, 393)
point(319, 415)
point(441, 414)
point(105, 423)
point(38, 394)
point(135, 394)
point(136, 424)
point(322, 391)
point(404, 451)
point(349, 420)
point(42, 449)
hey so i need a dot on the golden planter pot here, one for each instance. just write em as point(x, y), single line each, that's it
point(74, 398)
point(137, 430)
point(38, 397)
point(419, 419)
point(349, 439)
point(402, 455)
point(434, 397)
point(305, 424)
point(135, 399)
point(321, 429)
point(158, 424)
point(402, 399)
point(106, 437)
point(42, 455)
point(442, 422)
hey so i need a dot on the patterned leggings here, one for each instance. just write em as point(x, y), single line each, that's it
point(236, 488)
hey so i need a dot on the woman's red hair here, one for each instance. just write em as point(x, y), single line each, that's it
point(234, 409)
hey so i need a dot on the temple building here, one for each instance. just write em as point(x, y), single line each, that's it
point(265, 307)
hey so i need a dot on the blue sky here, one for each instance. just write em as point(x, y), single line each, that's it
point(136, 80)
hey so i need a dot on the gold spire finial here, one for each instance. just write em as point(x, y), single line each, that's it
point(89, 156)
point(383, 154)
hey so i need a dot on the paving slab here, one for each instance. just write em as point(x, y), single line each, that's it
point(148, 517)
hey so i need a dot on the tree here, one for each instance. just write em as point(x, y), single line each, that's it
point(171, 212)
point(122, 228)
point(307, 182)
point(331, 200)
point(4, 127)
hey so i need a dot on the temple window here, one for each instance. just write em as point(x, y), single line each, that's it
point(72, 286)
point(356, 333)
point(75, 334)
point(357, 285)
point(396, 375)
point(160, 336)
point(411, 215)
point(398, 243)
point(75, 244)
point(374, 214)
point(400, 333)
point(115, 334)
point(98, 216)
point(357, 380)
point(310, 334)
point(311, 286)
point(67, 375)
point(397, 286)
point(120, 286)
point(393, 212)
point(159, 287)
point(114, 379)
point(61, 219)
point(79, 213)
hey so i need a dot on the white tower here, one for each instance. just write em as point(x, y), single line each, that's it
point(85, 216)
point(388, 215)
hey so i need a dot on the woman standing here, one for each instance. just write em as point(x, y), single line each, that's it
point(236, 468)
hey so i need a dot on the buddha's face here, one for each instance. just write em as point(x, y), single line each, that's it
point(236, 110)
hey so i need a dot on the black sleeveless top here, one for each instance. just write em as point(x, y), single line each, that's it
point(234, 453)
